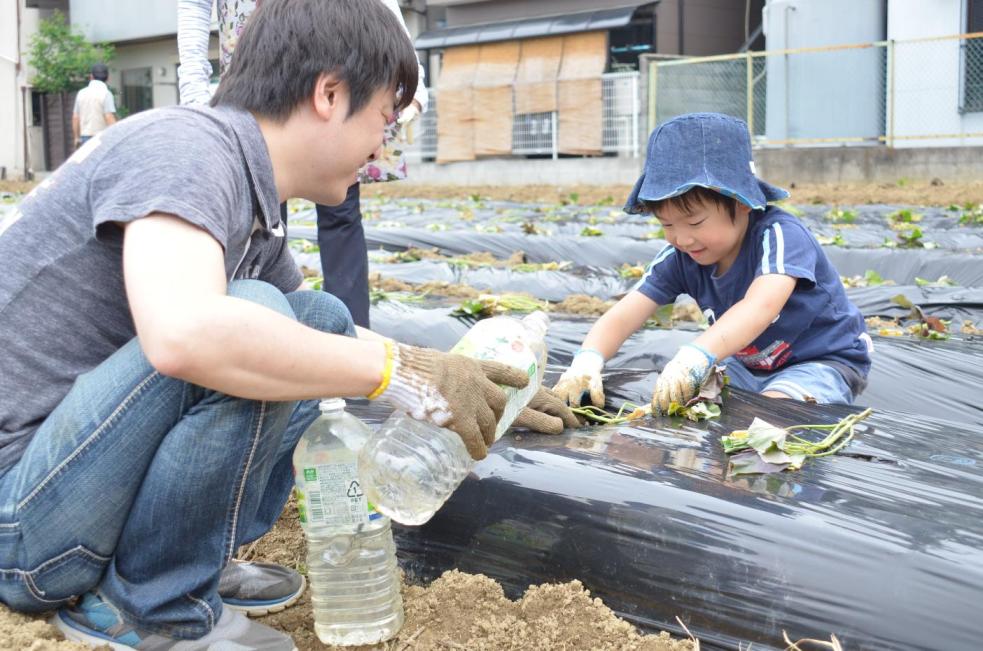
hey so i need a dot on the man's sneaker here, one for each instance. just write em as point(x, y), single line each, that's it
point(259, 588)
point(96, 622)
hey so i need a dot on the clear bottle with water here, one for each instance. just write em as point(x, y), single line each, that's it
point(351, 557)
point(411, 467)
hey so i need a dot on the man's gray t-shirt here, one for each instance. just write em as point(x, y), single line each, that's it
point(63, 306)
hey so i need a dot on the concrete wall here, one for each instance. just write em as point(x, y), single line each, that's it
point(869, 164)
point(15, 95)
point(928, 74)
point(124, 20)
point(781, 166)
point(836, 94)
point(582, 171)
point(162, 57)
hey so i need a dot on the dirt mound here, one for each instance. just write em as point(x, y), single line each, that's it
point(920, 192)
point(27, 633)
point(583, 305)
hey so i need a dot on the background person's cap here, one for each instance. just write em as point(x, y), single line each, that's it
point(710, 150)
point(100, 71)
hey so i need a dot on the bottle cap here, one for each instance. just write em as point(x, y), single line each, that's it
point(332, 404)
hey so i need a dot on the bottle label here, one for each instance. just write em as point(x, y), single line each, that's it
point(333, 496)
point(508, 348)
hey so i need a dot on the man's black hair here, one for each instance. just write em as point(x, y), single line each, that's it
point(694, 198)
point(99, 71)
point(287, 44)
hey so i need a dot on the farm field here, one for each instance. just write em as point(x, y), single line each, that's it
point(622, 529)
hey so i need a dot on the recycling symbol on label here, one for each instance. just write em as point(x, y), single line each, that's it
point(354, 490)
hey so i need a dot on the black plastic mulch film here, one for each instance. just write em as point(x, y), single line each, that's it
point(881, 545)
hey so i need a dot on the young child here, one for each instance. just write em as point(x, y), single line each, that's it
point(779, 317)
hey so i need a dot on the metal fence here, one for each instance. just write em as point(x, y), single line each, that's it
point(908, 93)
point(536, 134)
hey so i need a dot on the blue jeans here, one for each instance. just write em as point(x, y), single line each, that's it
point(144, 485)
point(815, 380)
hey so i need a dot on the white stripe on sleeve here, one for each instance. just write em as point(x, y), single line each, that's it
point(766, 252)
point(779, 249)
point(667, 251)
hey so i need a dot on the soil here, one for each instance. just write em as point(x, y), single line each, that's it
point(583, 305)
point(33, 633)
point(468, 611)
point(927, 192)
point(906, 192)
point(457, 611)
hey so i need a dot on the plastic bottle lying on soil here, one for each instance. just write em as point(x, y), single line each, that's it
point(411, 467)
point(351, 557)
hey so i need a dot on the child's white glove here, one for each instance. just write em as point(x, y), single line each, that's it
point(583, 376)
point(682, 377)
point(408, 114)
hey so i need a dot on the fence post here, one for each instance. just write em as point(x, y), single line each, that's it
point(750, 94)
point(653, 89)
point(890, 93)
point(553, 135)
point(635, 111)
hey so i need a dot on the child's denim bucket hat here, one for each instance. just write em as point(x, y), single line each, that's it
point(701, 149)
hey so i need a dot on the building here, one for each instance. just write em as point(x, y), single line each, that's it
point(21, 138)
point(558, 77)
point(144, 72)
point(937, 84)
point(588, 57)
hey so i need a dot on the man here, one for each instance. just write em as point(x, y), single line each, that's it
point(340, 234)
point(157, 361)
point(95, 109)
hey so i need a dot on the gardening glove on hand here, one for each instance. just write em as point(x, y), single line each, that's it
point(583, 376)
point(682, 377)
point(546, 413)
point(408, 114)
point(452, 391)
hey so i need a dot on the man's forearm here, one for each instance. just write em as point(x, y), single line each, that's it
point(273, 358)
point(75, 128)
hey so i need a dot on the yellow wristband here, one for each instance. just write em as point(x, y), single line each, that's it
point(387, 371)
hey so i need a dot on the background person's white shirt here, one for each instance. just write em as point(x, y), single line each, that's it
point(92, 103)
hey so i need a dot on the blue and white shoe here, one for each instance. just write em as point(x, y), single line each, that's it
point(96, 622)
point(259, 588)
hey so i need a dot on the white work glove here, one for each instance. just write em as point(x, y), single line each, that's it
point(682, 377)
point(448, 390)
point(583, 376)
point(408, 114)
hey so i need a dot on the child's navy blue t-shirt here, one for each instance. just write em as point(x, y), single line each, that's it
point(818, 322)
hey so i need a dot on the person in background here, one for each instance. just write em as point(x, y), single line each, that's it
point(95, 108)
point(341, 237)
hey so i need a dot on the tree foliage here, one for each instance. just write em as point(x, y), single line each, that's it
point(62, 56)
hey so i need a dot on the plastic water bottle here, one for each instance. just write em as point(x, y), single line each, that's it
point(351, 557)
point(411, 467)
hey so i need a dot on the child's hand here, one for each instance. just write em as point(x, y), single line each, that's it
point(682, 377)
point(583, 376)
